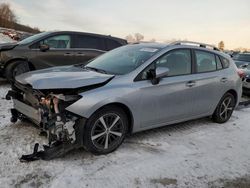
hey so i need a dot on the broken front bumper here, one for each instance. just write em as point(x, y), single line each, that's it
point(28, 111)
point(63, 130)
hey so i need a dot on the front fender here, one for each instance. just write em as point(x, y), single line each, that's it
point(97, 98)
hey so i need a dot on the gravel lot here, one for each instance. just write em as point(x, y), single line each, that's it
point(193, 154)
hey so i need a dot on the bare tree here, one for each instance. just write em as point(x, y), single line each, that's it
point(221, 45)
point(7, 16)
point(130, 38)
point(137, 37)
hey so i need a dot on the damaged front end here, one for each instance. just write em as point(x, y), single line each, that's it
point(47, 110)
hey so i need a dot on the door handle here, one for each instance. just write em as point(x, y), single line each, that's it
point(68, 54)
point(223, 79)
point(80, 54)
point(190, 83)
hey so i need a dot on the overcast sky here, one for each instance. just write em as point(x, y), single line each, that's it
point(207, 21)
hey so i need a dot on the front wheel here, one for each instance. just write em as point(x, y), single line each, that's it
point(105, 130)
point(224, 109)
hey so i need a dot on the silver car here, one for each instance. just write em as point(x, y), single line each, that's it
point(127, 90)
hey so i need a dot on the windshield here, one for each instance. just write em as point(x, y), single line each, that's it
point(33, 38)
point(123, 60)
point(242, 57)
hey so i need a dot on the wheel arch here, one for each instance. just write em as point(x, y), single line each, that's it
point(32, 67)
point(234, 93)
point(126, 110)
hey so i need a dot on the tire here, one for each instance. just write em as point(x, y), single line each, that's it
point(99, 140)
point(16, 68)
point(224, 109)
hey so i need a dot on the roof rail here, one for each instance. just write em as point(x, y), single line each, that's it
point(203, 45)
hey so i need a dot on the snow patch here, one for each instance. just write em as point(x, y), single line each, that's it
point(5, 39)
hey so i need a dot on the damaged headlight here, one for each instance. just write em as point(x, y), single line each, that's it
point(66, 97)
point(59, 122)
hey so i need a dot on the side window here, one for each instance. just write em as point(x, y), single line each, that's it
point(178, 62)
point(111, 44)
point(218, 62)
point(225, 62)
point(59, 41)
point(92, 42)
point(205, 61)
point(35, 45)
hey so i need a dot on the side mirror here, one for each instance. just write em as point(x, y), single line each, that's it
point(44, 47)
point(159, 73)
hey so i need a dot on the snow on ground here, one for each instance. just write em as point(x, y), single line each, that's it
point(5, 39)
point(193, 154)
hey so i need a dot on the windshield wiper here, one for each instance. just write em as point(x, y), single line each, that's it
point(96, 69)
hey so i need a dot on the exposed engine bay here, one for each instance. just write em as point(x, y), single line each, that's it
point(47, 110)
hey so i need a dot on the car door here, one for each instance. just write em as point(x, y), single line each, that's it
point(172, 98)
point(59, 53)
point(208, 82)
point(87, 47)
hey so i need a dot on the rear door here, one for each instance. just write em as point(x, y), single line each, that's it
point(60, 52)
point(208, 82)
point(88, 47)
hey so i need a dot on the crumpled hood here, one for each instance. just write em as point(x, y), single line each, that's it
point(7, 46)
point(65, 77)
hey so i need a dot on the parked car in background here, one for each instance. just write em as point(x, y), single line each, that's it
point(246, 80)
point(242, 59)
point(231, 53)
point(130, 89)
point(50, 49)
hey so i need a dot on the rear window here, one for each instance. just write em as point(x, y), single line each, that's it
point(111, 44)
point(205, 61)
point(225, 62)
point(92, 42)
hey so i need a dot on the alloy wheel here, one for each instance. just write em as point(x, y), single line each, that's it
point(107, 131)
point(226, 108)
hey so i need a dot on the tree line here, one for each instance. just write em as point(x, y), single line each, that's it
point(8, 19)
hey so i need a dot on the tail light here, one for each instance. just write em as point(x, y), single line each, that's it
point(241, 73)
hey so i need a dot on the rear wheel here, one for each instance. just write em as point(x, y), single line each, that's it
point(105, 130)
point(16, 68)
point(224, 109)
